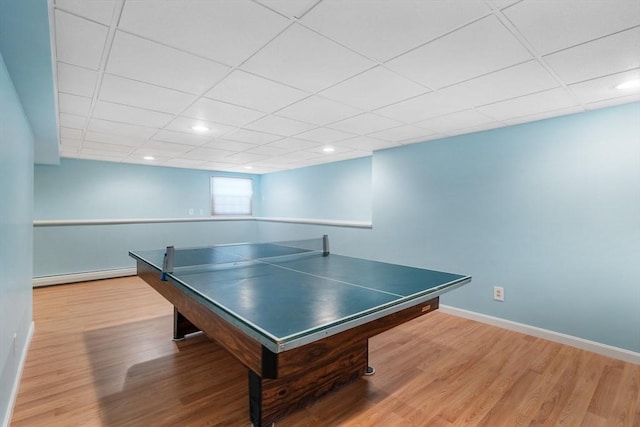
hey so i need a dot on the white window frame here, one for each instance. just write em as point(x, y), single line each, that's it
point(229, 198)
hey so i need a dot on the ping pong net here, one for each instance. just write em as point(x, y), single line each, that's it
point(239, 254)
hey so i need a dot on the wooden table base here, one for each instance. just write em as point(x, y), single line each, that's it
point(280, 383)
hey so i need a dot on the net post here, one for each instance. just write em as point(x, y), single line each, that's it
point(325, 245)
point(167, 262)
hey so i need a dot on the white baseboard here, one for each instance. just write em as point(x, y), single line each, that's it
point(82, 277)
point(16, 383)
point(581, 343)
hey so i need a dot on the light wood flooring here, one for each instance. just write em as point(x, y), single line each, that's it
point(102, 355)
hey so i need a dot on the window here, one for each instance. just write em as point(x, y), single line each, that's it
point(231, 196)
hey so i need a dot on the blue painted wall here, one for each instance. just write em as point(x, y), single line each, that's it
point(86, 189)
point(549, 210)
point(89, 190)
point(340, 191)
point(336, 191)
point(16, 176)
point(88, 248)
point(26, 48)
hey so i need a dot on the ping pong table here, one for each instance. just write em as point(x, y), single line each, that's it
point(298, 317)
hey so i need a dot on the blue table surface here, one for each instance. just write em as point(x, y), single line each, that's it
point(286, 297)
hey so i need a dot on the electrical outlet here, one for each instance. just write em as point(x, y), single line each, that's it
point(190, 211)
point(498, 293)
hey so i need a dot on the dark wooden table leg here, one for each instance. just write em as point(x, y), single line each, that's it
point(271, 399)
point(182, 326)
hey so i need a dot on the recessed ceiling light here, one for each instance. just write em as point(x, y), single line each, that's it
point(248, 167)
point(200, 128)
point(149, 158)
point(629, 84)
point(328, 149)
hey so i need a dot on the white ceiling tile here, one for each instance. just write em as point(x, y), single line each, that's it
point(102, 153)
point(276, 162)
point(221, 112)
point(501, 4)
point(70, 143)
point(421, 139)
point(223, 144)
point(76, 80)
point(244, 157)
point(280, 125)
point(293, 144)
point(294, 9)
point(365, 123)
point(454, 121)
point(252, 137)
point(325, 135)
point(110, 138)
point(267, 150)
point(164, 148)
point(79, 41)
point(608, 55)
point(553, 25)
point(101, 157)
point(305, 60)
point(384, 29)
point(185, 124)
point(72, 104)
point(206, 154)
point(479, 48)
point(541, 102)
point(139, 158)
point(127, 114)
point(614, 101)
point(107, 147)
point(318, 110)
point(422, 107)
point(545, 115)
point(366, 143)
point(184, 163)
point(173, 65)
point(337, 149)
point(180, 137)
point(476, 128)
point(255, 92)
point(511, 82)
point(72, 121)
point(401, 133)
point(144, 60)
point(227, 31)
point(218, 166)
point(96, 10)
point(259, 170)
point(124, 129)
point(373, 89)
point(604, 88)
point(296, 156)
point(70, 133)
point(138, 94)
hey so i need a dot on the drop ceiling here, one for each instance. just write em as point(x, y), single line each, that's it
point(276, 83)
